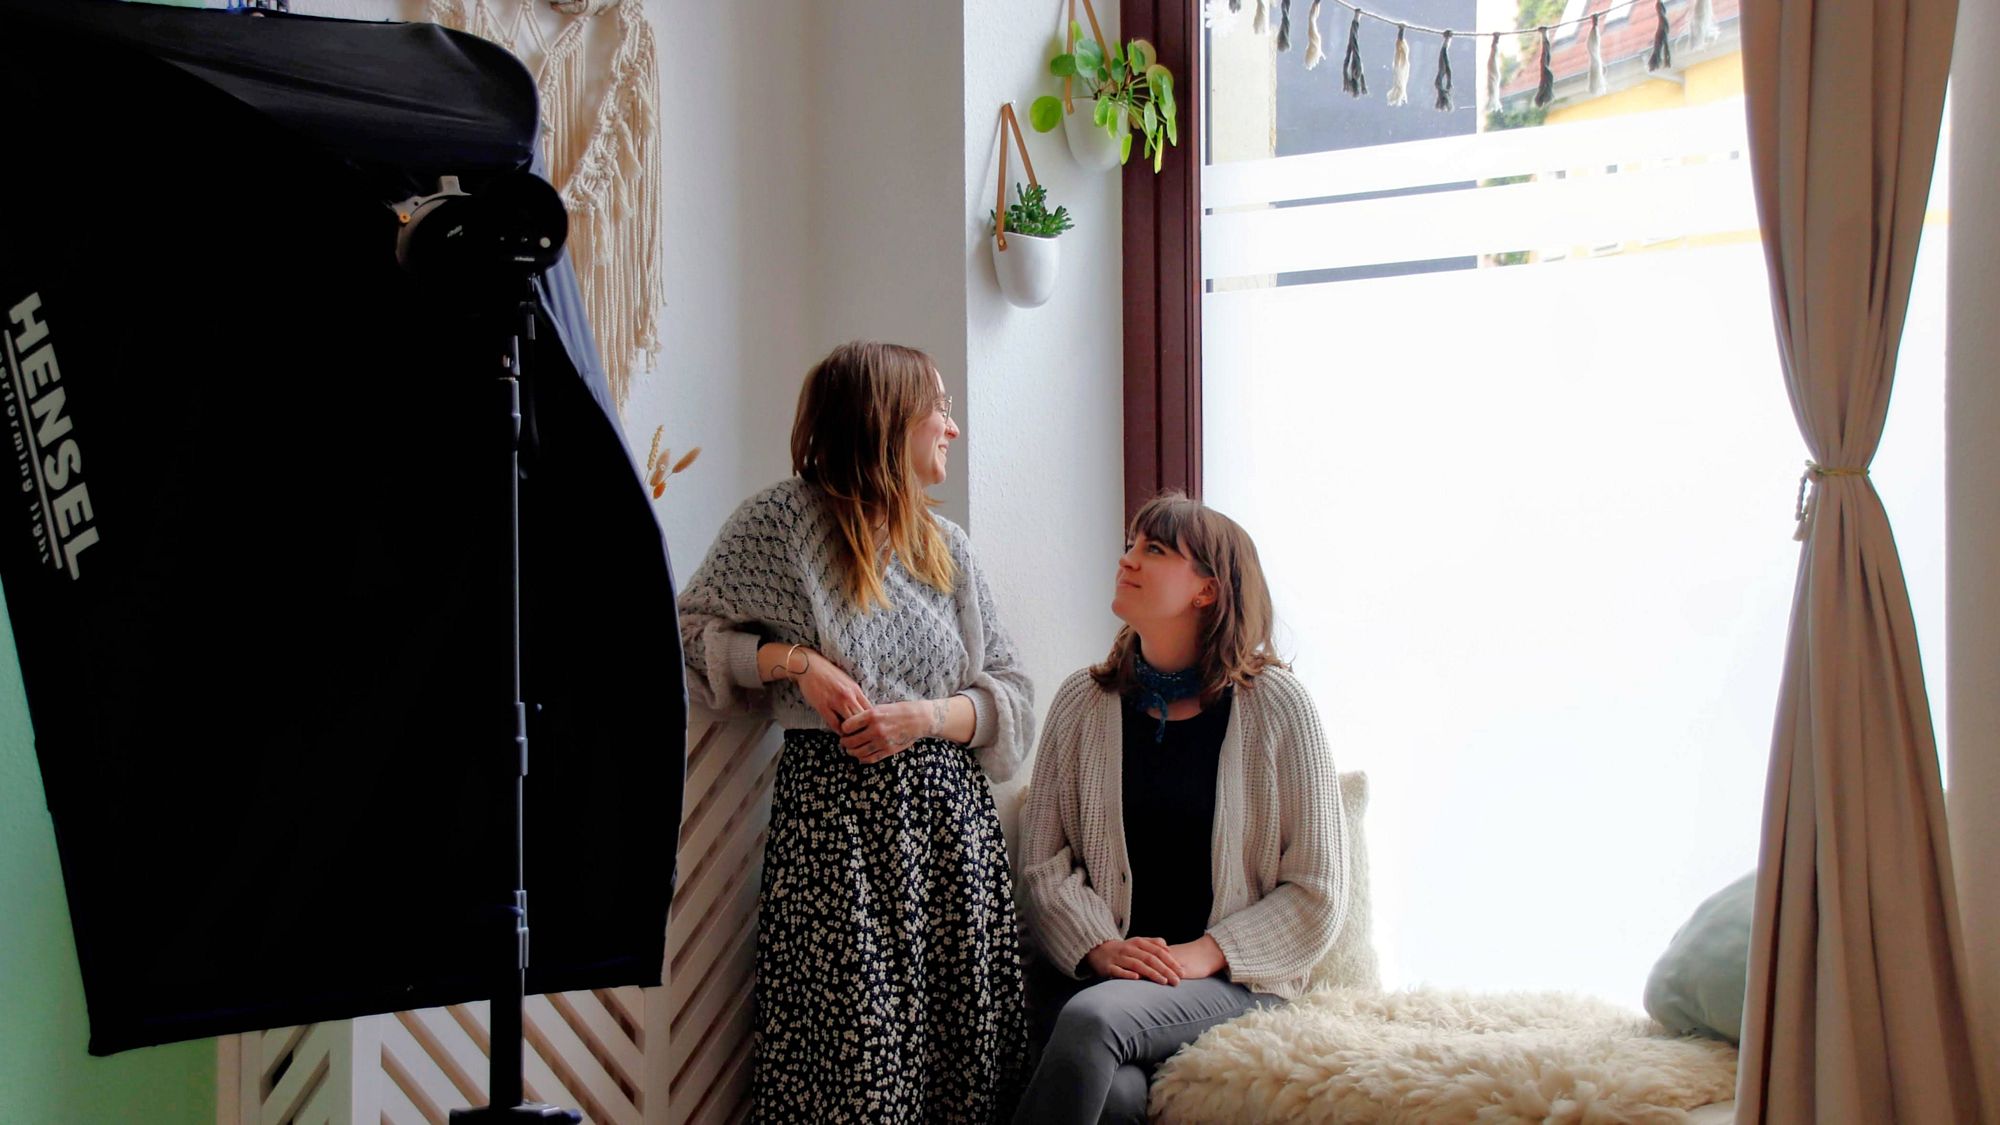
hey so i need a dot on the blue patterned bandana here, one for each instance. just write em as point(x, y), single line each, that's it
point(1157, 688)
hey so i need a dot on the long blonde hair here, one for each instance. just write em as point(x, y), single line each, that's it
point(1235, 638)
point(851, 438)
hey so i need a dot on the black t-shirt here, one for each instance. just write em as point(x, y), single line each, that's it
point(1169, 794)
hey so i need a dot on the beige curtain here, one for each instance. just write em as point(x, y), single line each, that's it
point(1856, 1011)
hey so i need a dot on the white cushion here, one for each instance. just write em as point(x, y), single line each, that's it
point(1351, 962)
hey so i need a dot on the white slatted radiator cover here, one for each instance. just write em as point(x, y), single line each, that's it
point(675, 1054)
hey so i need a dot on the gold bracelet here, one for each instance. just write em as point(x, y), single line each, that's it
point(786, 666)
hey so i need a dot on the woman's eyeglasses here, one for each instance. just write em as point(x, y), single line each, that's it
point(944, 405)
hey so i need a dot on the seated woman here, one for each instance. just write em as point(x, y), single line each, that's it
point(1182, 855)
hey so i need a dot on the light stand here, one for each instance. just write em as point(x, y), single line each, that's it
point(492, 246)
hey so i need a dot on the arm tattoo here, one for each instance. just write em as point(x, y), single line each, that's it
point(939, 714)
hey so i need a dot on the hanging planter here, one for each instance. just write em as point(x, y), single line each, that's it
point(1026, 253)
point(1126, 91)
point(1095, 147)
point(1026, 267)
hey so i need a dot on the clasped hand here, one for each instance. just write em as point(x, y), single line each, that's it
point(1145, 958)
point(875, 733)
point(868, 732)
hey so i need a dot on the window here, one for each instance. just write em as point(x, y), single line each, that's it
point(1516, 452)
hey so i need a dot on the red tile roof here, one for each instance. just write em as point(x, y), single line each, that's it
point(1627, 33)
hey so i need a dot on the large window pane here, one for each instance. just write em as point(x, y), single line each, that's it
point(1502, 408)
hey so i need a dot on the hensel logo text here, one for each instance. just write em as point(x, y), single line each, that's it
point(45, 442)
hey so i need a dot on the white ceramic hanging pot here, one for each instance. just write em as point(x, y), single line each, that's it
point(1027, 268)
point(1090, 144)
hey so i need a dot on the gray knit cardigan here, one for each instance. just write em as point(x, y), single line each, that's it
point(772, 575)
point(1278, 853)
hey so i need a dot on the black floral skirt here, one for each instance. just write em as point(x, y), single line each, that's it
point(888, 963)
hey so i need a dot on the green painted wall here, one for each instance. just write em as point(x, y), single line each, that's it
point(46, 1078)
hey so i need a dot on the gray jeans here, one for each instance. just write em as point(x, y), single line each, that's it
point(1101, 1039)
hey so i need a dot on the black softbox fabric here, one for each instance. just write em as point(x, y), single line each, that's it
point(255, 556)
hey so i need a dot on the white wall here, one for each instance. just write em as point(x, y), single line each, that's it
point(830, 169)
point(1972, 498)
point(885, 187)
point(738, 327)
point(1045, 425)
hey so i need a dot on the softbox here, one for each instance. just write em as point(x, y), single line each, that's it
point(255, 560)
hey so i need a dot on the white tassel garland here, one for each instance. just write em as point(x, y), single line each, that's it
point(1702, 29)
point(1399, 74)
point(1546, 91)
point(1493, 75)
point(1662, 56)
point(1315, 46)
point(1353, 79)
point(1442, 84)
point(1598, 83)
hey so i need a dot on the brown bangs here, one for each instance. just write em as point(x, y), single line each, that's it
point(1235, 637)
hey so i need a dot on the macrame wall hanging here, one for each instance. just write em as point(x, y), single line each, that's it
point(603, 158)
point(1702, 31)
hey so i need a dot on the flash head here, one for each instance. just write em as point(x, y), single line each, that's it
point(513, 227)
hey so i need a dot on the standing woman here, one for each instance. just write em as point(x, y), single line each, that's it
point(1183, 852)
point(888, 966)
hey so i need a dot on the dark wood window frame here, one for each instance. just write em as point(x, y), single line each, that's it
point(1163, 286)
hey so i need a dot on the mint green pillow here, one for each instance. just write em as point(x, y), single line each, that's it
point(1698, 985)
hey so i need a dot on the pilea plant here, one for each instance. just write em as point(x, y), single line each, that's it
point(1133, 93)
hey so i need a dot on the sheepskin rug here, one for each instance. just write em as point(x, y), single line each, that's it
point(1436, 1057)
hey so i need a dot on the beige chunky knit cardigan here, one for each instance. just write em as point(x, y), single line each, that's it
point(1278, 853)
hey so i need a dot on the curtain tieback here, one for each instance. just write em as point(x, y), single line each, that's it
point(1802, 511)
